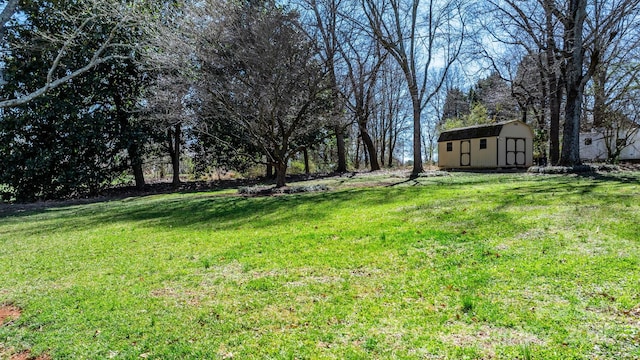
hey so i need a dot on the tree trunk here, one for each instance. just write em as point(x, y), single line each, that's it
point(599, 104)
point(554, 88)
point(571, 131)
point(342, 153)
point(542, 159)
point(383, 143)
point(555, 99)
point(365, 153)
point(357, 158)
point(392, 145)
point(417, 135)
point(574, 24)
point(610, 139)
point(281, 173)
point(305, 154)
point(136, 164)
point(371, 149)
point(174, 152)
point(132, 146)
point(269, 171)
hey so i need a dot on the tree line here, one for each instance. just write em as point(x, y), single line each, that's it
point(92, 89)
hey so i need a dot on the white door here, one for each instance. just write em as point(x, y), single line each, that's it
point(516, 152)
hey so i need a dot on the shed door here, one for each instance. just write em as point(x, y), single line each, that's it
point(516, 152)
point(465, 153)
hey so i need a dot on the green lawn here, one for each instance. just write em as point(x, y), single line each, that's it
point(465, 266)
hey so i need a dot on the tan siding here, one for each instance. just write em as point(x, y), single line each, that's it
point(502, 152)
point(495, 154)
point(449, 159)
point(516, 130)
point(483, 158)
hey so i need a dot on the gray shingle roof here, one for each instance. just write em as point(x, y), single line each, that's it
point(472, 132)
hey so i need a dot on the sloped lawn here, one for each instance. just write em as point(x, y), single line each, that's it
point(464, 266)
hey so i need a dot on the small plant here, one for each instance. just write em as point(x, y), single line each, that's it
point(260, 284)
point(467, 304)
point(526, 352)
point(370, 344)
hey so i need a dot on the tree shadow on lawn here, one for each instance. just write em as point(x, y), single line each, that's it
point(228, 212)
point(625, 177)
point(581, 183)
point(215, 211)
point(561, 185)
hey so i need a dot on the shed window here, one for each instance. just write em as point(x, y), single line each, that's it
point(588, 141)
point(483, 143)
point(449, 146)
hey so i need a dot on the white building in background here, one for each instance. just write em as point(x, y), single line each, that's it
point(593, 146)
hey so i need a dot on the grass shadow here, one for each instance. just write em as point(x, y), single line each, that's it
point(226, 212)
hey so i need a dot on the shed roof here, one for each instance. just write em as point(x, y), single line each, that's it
point(472, 132)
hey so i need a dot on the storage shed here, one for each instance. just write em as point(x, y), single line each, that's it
point(503, 145)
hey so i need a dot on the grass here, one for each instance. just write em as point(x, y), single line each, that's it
point(466, 266)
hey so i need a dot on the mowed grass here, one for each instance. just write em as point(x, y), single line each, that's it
point(465, 266)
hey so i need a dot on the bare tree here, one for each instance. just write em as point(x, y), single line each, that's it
point(363, 58)
point(569, 38)
point(575, 77)
point(495, 93)
point(327, 20)
point(170, 56)
point(168, 109)
point(615, 79)
point(391, 111)
point(421, 37)
point(260, 71)
point(532, 26)
point(618, 57)
point(619, 132)
point(529, 89)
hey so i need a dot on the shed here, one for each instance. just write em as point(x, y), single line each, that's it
point(503, 145)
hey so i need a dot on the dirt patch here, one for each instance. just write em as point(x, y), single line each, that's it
point(488, 337)
point(26, 355)
point(635, 312)
point(181, 296)
point(8, 313)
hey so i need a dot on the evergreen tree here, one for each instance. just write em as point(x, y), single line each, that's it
point(78, 137)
